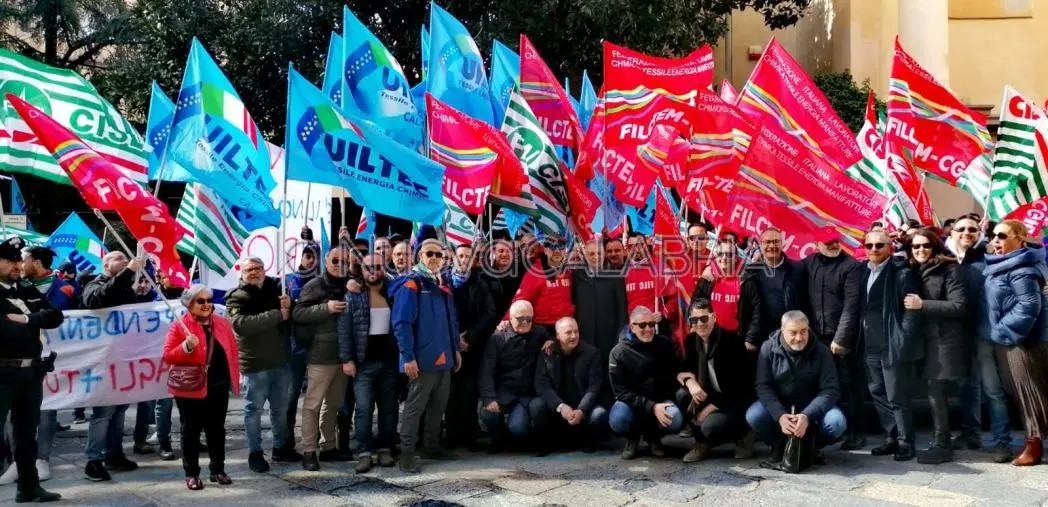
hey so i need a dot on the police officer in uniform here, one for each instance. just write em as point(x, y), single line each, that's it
point(23, 312)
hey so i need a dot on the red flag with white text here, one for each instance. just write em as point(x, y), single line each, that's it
point(547, 97)
point(106, 188)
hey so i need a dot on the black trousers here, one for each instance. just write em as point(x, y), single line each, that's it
point(891, 388)
point(851, 374)
point(207, 415)
point(718, 428)
point(21, 392)
point(460, 417)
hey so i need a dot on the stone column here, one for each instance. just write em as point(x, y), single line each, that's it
point(924, 30)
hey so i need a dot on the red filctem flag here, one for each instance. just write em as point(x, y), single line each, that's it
point(106, 188)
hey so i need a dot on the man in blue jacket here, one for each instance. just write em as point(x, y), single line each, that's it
point(426, 328)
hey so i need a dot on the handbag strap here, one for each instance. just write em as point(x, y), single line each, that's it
point(210, 350)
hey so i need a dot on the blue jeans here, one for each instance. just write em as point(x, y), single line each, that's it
point(517, 418)
point(105, 433)
point(624, 420)
point(45, 433)
point(375, 385)
point(984, 378)
point(272, 386)
point(162, 414)
point(767, 430)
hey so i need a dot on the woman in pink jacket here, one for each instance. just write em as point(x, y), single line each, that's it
point(209, 343)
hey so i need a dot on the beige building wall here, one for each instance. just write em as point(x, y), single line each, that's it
point(976, 47)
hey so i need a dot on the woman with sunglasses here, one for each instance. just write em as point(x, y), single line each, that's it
point(1015, 278)
point(943, 305)
point(209, 343)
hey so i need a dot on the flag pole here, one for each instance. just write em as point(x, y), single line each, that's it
point(3, 223)
point(920, 194)
point(144, 274)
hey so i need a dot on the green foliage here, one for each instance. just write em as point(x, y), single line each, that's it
point(67, 33)
point(848, 98)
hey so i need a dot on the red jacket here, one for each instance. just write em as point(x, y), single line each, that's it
point(175, 353)
point(550, 297)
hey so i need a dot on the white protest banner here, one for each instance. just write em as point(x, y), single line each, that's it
point(262, 242)
point(109, 357)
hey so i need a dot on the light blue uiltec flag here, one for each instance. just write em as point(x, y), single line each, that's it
point(326, 146)
point(505, 75)
point(158, 131)
point(214, 137)
point(74, 241)
point(456, 73)
point(587, 101)
point(375, 82)
point(333, 70)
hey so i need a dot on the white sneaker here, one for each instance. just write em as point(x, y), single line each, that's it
point(10, 476)
point(153, 440)
point(43, 469)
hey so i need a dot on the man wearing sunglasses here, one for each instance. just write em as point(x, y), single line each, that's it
point(891, 335)
point(967, 244)
point(368, 351)
point(718, 385)
point(835, 292)
point(425, 325)
point(316, 315)
point(643, 370)
point(507, 379)
point(781, 283)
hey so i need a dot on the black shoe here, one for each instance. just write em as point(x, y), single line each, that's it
point(854, 442)
point(143, 448)
point(543, 450)
point(496, 446)
point(818, 459)
point(656, 448)
point(309, 462)
point(202, 447)
point(937, 454)
point(408, 463)
point(364, 464)
point(62, 427)
point(96, 471)
point(1002, 453)
point(970, 442)
point(437, 453)
point(221, 478)
point(287, 454)
point(39, 495)
point(166, 452)
point(333, 455)
point(256, 460)
point(906, 452)
point(121, 464)
point(890, 446)
point(630, 451)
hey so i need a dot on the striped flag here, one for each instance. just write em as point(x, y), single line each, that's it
point(366, 226)
point(873, 170)
point(545, 172)
point(459, 228)
point(1020, 175)
point(215, 236)
point(75, 104)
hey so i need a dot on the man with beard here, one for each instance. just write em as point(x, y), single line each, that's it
point(600, 303)
point(23, 313)
point(797, 389)
point(835, 292)
point(984, 377)
point(258, 313)
point(316, 318)
point(426, 329)
point(614, 255)
point(781, 283)
point(368, 350)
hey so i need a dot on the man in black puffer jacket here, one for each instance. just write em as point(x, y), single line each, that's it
point(781, 284)
point(797, 388)
point(835, 292)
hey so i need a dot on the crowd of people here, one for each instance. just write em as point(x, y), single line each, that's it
point(539, 345)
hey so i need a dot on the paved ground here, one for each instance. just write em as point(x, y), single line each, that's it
point(574, 479)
